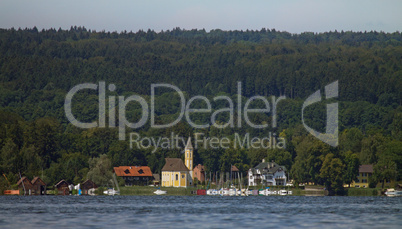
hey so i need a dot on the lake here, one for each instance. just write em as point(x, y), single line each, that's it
point(199, 212)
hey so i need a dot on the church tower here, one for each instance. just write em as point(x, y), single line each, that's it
point(188, 158)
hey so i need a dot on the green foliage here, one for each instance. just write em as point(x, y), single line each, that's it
point(100, 170)
point(37, 69)
point(385, 169)
point(332, 174)
point(351, 172)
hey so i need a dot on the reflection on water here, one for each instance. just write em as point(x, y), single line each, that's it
point(199, 211)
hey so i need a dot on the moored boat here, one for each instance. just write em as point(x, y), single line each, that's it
point(160, 192)
point(393, 192)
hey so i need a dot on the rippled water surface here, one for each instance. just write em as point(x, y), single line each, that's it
point(199, 212)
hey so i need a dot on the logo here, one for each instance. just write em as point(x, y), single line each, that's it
point(331, 134)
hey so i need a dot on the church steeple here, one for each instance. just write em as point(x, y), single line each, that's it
point(188, 151)
point(189, 145)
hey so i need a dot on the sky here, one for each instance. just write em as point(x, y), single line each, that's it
point(294, 16)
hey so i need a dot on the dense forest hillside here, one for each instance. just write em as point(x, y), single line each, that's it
point(39, 68)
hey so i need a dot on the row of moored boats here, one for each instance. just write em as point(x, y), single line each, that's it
point(247, 192)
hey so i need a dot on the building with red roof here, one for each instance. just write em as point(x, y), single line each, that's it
point(134, 175)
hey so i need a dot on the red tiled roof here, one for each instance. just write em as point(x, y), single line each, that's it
point(133, 171)
point(234, 169)
point(366, 169)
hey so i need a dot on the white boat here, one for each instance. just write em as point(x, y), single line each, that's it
point(225, 192)
point(91, 192)
point(111, 192)
point(290, 192)
point(393, 192)
point(160, 192)
point(283, 192)
point(232, 192)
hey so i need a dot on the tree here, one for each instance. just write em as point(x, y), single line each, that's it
point(281, 157)
point(332, 174)
point(351, 140)
point(9, 157)
point(100, 170)
point(385, 169)
point(309, 159)
point(352, 167)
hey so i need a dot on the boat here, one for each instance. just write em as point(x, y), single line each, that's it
point(11, 192)
point(111, 192)
point(393, 192)
point(283, 192)
point(91, 192)
point(160, 192)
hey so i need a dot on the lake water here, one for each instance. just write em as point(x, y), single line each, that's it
point(199, 212)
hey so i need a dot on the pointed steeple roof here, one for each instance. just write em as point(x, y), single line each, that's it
point(189, 145)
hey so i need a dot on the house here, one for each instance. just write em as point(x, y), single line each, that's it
point(199, 173)
point(62, 188)
point(38, 186)
point(25, 185)
point(267, 174)
point(362, 180)
point(87, 185)
point(175, 173)
point(134, 175)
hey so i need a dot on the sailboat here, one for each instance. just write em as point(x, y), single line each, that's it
point(112, 191)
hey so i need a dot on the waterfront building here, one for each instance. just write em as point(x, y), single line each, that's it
point(267, 174)
point(177, 174)
point(134, 175)
point(362, 180)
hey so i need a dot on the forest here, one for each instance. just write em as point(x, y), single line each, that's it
point(39, 68)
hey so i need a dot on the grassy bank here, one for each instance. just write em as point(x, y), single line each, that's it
point(147, 190)
point(363, 191)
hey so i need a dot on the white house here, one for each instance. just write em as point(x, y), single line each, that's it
point(267, 174)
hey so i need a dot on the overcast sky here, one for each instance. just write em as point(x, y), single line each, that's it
point(294, 16)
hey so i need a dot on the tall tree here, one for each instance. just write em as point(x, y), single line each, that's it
point(332, 173)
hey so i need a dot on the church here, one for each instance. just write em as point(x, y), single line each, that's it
point(177, 174)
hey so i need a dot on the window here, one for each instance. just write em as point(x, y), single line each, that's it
point(177, 177)
point(182, 176)
point(364, 180)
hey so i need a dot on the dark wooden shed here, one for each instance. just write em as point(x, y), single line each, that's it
point(86, 185)
point(38, 186)
point(25, 184)
point(62, 188)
